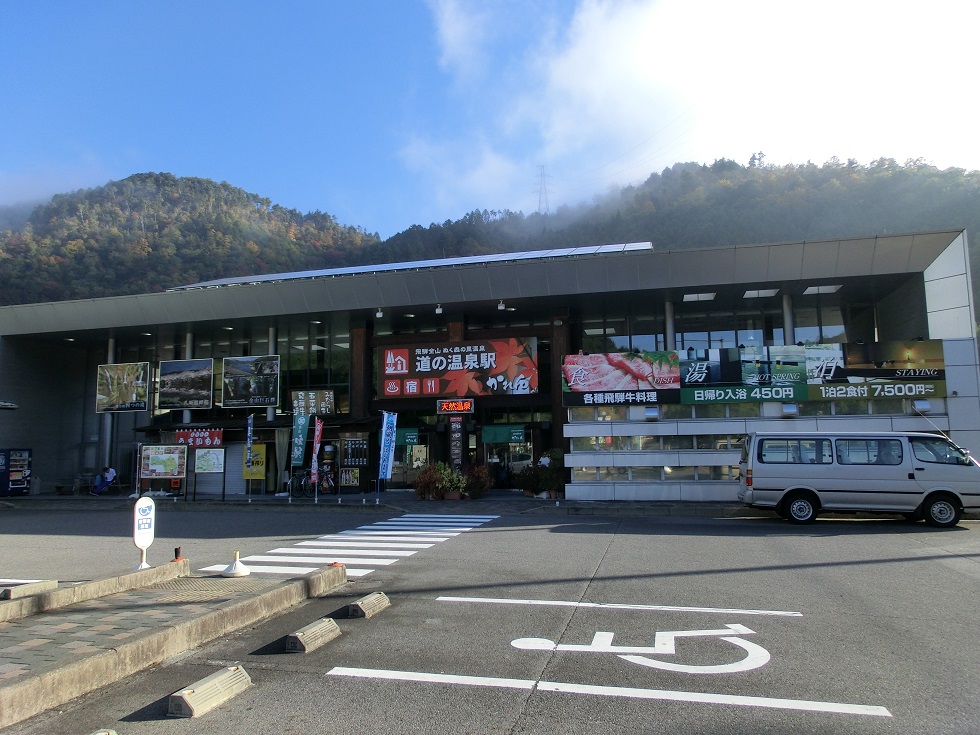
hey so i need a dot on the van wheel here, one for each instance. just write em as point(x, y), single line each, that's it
point(800, 507)
point(942, 511)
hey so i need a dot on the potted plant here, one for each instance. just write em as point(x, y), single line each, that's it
point(478, 481)
point(529, 480)
point(452, 482)
point(426, 482)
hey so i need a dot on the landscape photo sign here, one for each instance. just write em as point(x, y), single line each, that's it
point(186, 384)
point(790, 373)
point(250, 381)
point(122, 386)
point(479, 368)
point(209, 460)
point(164, 461)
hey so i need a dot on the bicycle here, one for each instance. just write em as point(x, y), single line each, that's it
point(300, 485)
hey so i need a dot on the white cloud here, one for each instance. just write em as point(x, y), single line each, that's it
point(627, 87)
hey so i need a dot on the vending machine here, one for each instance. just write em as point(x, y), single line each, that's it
point(15, 471)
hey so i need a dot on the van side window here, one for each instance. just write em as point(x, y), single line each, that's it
point(795, 451)
point(937, 450)
point(869, 451)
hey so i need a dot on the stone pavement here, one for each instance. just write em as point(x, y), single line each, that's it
point(53, 648)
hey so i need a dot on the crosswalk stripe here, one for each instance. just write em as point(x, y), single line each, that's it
point(372, 531)
point(335, 551)
point(364, 544)
point(257, 569)
point(323, 560)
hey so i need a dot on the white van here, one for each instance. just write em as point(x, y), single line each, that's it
point(919, 475)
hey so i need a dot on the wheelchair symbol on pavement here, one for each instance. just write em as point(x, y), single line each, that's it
point(663, 645)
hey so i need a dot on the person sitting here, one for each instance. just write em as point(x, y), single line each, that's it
point(104, 480)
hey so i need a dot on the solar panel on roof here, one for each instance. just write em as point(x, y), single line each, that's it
point(418, 265)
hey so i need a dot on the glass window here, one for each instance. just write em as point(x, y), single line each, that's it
point(584, 474)
point(613, 474)
point(851, 407)
point(712, 441)
point(709, 411)
point(795, 451)
point(647, 474)
point(625, 443)
point(612, 413)
point(869, 451)
point(581, 413)
point(583, 443)
point(678, 442)
point(648, 443)
point(675, 411)
point(712, 472)
point(937, 450)
point(682, 474)
point(815, 408)
point(888, 406)
point(744, 410)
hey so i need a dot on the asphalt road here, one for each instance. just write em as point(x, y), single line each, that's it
point(545, 625)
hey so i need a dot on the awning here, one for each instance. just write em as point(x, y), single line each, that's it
point(503, 433)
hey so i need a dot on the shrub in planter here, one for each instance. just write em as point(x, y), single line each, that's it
point(529, 479)
point(478, 481)
point(452, 482)
point(426, 482)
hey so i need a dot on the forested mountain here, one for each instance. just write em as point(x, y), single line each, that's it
point(153, 231)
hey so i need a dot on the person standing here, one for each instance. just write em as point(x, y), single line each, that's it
point(108, 475)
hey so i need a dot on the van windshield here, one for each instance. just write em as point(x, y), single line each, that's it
point(937, 450)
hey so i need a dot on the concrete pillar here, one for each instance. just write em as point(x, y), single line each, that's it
point(669, 336)
point(188, 354)
point(106, 440)
point(270, 412)
point(789, 329)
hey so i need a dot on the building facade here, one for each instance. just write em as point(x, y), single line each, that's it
point(642, 366)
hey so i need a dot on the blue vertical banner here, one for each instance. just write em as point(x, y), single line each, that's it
point(248, 442)
point(301, 428)
point(388, 431)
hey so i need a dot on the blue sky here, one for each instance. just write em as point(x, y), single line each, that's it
point(399, 112)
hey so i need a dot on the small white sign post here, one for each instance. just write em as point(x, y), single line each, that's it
point(144, 521)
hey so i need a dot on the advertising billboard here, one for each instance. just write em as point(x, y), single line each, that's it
point(483, 368)
point(122, 386)
point(185, 384)
point(250, 381)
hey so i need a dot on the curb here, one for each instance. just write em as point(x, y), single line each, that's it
point(41, 692)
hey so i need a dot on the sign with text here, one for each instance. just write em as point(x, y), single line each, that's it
point(250, 381)
point(200, 437)
point(185, 384)
point(484, 368)
point(122, 386)
point(308, 402)
point(167, 461)
point(257, 469)
point(791, 373)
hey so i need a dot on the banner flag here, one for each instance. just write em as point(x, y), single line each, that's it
point(317, 435)
point(301, 429)
point(248, 442)
point(388, 433)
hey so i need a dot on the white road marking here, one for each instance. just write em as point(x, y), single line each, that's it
point(261, 569)
point(341, 550)
point(619, 606)
point(373, 531)
point(8, 582)
point(323, 560)
point(365, 544)
point(450, 516)
point(802, 705)
point(364, 536)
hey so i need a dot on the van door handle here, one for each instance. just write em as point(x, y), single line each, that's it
point(912, 475)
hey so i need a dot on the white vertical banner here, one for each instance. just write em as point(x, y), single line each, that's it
point(388, 423)
point(314, 466)
point(248, 442)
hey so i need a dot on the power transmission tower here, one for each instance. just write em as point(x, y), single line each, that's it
point(543, 192)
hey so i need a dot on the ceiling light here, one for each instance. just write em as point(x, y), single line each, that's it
point(821, 289)
point(699, 297)
point(500, 305)
point(410, 316)
point(379, 313)
point(761, 293)
point(438, 308)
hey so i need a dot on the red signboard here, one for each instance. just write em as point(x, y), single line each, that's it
point(485, 368)
point(200, 437)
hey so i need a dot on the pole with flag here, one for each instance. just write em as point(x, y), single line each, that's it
point(248, 456)
point(314, 466)
point(388, 431)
